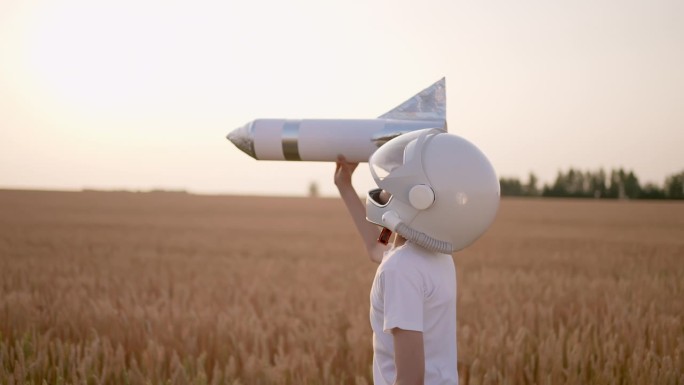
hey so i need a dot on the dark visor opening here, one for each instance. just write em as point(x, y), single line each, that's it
point(375, 196)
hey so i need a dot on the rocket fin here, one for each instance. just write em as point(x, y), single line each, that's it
point(428, 104)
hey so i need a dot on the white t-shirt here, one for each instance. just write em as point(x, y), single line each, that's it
point(415, 289)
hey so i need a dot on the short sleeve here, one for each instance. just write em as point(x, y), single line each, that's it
point(403, 300)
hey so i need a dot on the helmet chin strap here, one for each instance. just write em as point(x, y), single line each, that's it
point(393, 223)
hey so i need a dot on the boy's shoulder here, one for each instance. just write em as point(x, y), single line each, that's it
point(413, 257)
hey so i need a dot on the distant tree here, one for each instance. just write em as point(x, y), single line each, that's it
point(616, 187)
point(651, 191)
point(632, 188)
point(597, 184)
point(577, 184)
point(674, 186)
point(531, 186)
point(313, 190)
point(558, 189)
point(621, 184)
point(511, 187)
point(573, 184)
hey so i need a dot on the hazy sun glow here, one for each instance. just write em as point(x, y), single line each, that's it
point(140, 94)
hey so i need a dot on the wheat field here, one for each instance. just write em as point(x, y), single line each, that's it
point(166, 288)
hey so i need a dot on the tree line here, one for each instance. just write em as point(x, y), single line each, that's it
point(618, 184)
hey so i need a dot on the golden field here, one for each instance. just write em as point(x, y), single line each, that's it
point(113, 288)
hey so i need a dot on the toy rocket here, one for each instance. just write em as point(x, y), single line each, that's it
point(326, 139)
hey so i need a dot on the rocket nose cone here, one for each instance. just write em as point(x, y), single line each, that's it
point(243, 138)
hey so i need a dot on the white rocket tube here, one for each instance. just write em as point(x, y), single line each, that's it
point(323, 139)
point(326, 139)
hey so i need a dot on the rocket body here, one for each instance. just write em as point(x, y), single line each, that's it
point(323, 139)
point(326, 139)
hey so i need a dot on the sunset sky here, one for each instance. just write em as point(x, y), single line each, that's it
point(140, 94)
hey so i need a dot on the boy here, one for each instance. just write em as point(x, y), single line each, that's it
point(436, 207)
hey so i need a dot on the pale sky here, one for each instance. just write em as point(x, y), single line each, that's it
point(140, 94)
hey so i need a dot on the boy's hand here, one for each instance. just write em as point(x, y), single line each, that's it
point(343, 172)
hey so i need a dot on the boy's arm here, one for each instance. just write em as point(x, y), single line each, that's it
point(409, 357)
point(368, 231)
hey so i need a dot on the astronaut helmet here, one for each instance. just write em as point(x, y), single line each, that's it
point(444, 191)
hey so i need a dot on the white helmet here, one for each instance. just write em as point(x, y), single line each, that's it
point(444, 192)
